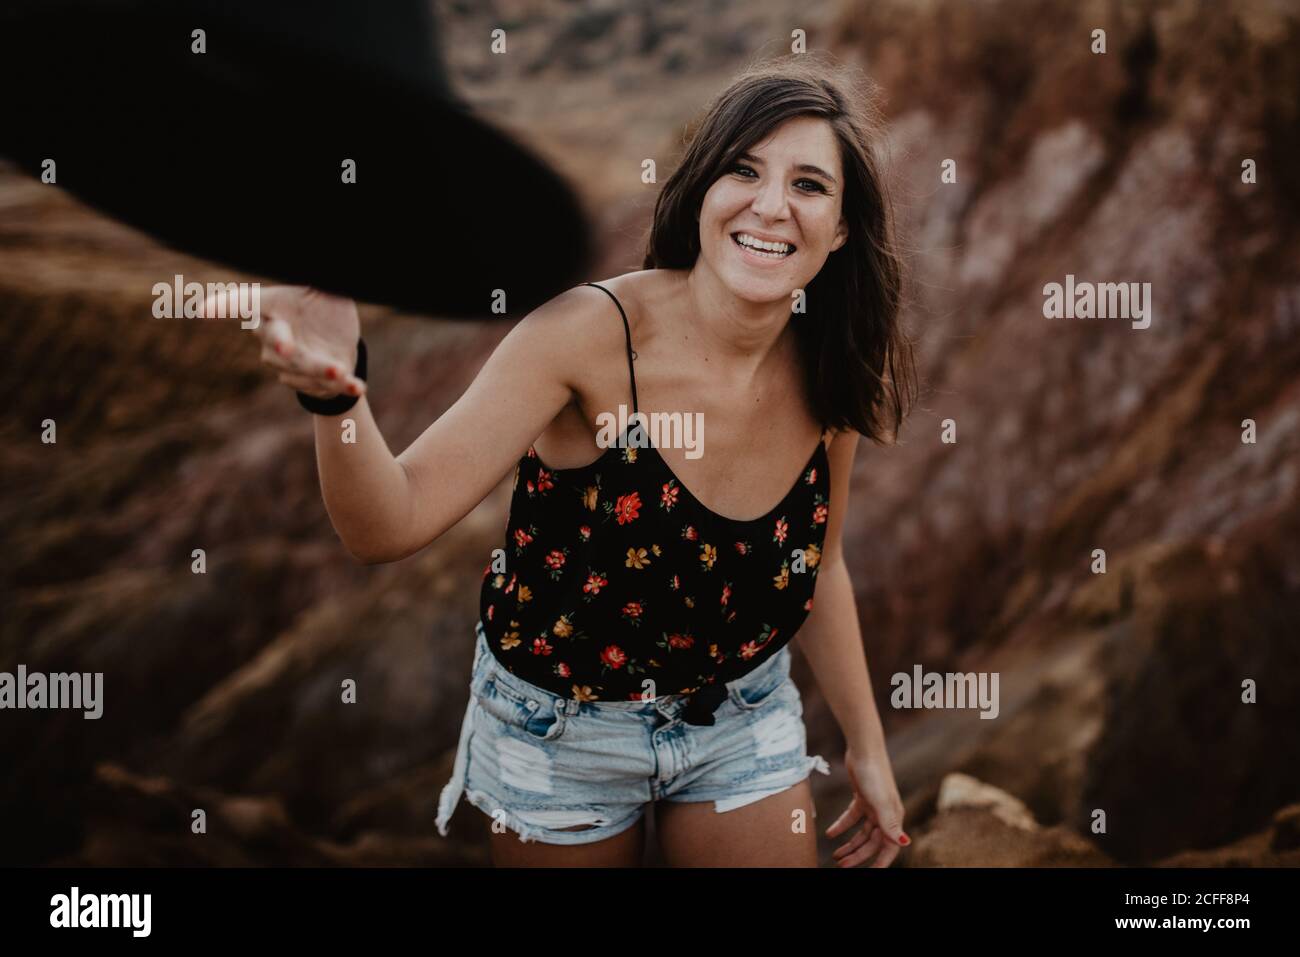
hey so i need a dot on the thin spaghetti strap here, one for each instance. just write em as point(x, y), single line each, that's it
point(627, 329)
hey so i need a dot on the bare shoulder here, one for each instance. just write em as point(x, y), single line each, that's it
point(568, 330)
point(580, 329)
point(593, 320)
point(639, 293)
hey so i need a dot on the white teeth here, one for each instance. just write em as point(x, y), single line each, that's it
point(760, 248)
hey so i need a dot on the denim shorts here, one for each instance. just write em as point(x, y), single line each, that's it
point(539, 762)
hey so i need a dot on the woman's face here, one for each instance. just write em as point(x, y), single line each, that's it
point(785, 189)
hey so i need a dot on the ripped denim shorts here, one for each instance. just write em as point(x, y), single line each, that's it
point(541, 763)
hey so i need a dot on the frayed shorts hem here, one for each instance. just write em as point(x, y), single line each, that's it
point(730, 799)
point(531, 832)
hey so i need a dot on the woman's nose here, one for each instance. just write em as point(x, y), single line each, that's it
point(770, 201)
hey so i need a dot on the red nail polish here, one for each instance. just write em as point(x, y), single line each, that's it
point(330, 373)
point(904, 839)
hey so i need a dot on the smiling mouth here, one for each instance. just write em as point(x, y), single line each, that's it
point(751, 247)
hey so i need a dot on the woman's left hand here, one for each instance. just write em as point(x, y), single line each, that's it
point(877, 804)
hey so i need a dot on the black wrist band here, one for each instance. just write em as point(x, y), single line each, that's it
point(337, 404)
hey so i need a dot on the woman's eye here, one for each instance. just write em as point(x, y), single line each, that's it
point(815, 186)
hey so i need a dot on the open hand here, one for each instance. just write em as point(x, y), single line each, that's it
point(877, 804)
point(309, 338)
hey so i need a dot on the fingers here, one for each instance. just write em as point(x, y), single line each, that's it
point(890, 822)
point(323, 388)
point(846, 820)
point(221, 302)
point(859, 838)
point(303, 367)
point(281, 349)
point(864, 845)
point(284, 354)
point(890, 819)
point(306, 370)
point(872, 840)
point(308, 385)
point(223, 299)
point(886, 856)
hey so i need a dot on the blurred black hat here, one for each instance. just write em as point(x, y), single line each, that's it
point(238, 153)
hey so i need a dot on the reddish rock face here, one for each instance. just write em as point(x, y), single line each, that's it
point(1119, 692)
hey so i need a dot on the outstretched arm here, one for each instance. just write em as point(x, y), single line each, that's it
point(385, 507)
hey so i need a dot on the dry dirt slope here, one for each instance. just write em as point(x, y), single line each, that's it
point(1119, 692)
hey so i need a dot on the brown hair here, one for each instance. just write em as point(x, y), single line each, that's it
point(858, 363)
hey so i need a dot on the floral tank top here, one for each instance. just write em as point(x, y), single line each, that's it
point(618, 584)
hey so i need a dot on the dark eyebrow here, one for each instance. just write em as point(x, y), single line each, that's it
point(802, 167)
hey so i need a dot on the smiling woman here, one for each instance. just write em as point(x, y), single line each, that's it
point(780, 176)
point(636, 617)
point(631, 576)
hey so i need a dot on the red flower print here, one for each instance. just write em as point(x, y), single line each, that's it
point(674, 583)
point(541, 647)
point(584, 532)
point(632, 611)
point(819, 515)
point(511, 586)
point(627, 508)
point(782, 526)
point(491, 608)
point(680, 641)
point(689, 533)
point(726, 592)
point(669, 497)
point(811, 477)
point(749, 649)
point(555, 562)
point(595, 582)
point(807, 606)
point(613, 656)
point(530, 486)
point(742, 547)
point(523, 538)
point(544, 481)
point(562, 669)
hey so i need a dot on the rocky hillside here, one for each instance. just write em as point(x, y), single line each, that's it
point(1121, 692)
